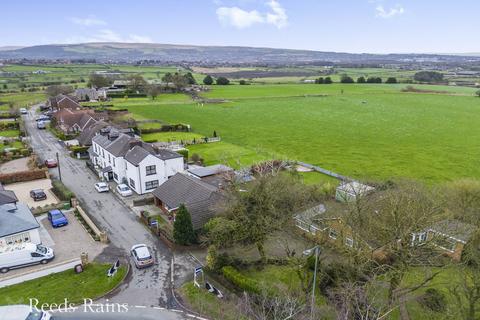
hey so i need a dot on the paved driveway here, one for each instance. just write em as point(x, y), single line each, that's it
point(14, 165)
point(22, 191)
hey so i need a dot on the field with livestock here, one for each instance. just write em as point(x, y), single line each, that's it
point(363, 131)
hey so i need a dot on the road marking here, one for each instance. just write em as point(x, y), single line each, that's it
point(159, 308)
point(141, 307)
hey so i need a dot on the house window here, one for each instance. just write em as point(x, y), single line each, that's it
point(109, 160)
point(115, 176)
point(18, 238)
point(149, 185)
point(114, 162)
point(151, 170)
point(132, 183)
point(333, 234)
point(349, 242)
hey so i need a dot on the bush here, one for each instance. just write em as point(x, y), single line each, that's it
point(222, 81)
point(240, 281)
point(346, 79)
point(184, 153)
point(61, 191)
point(78, 149)
point(22, 176)
point(433, 300)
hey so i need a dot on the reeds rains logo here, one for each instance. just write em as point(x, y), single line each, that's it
point(87, 306)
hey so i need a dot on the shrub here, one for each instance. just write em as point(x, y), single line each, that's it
point(240, 281)
point(22, 176)
point(78, 149)
point(346, 79)
point(222, 81)
point(184, 153)
point(183, 232)
point(433, 300)
point(61, 191)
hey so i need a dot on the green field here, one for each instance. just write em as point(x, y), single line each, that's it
point(368, 131)
point(20, 100)
point(171, 136)
point(9, 133)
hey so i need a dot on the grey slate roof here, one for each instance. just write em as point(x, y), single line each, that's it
point(117, 147)
point(201, 199)
point(7, 196)
point(165, 154)
point(454, 228)
point(136, 155)
point(85, 138)
point(210, 170)
point(16, 221)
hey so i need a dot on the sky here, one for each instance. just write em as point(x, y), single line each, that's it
point(373, 26)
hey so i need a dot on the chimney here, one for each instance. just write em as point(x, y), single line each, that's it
point(134, 143)
point(112, 135)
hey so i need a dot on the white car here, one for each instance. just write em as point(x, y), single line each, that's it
point(124, 190)
point(23, 111)
point(23, 312)
point(141, 256)
point(102, 187)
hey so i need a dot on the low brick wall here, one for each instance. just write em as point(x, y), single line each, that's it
point(102, 235)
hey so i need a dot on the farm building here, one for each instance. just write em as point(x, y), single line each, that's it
point(350, 191)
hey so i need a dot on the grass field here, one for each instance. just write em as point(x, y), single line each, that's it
point(368, 131)
point(171, 136)
point(54, 288)
point(20, 100)
point(9, 133)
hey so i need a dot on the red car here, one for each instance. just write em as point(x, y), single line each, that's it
point(51, 163)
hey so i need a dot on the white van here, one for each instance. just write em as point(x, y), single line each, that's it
point(22, 312)
point(22, 255)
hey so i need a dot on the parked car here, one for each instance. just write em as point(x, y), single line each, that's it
point(38, 195)
point(141, 256)
point(23, 312)
point(51, 163)
point(41, 125)
point(42, 118)
point(23, 110)
point(24, 254)
point(57, 218)
point(102, 187)
point(124, 190)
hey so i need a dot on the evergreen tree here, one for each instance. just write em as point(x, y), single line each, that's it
point(361, 80)
point(328, 80)
point(182, 227)
point(208, 80)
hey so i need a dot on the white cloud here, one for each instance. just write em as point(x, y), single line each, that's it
point(389, 13)
point(107, 35)
point(239, 18)
point(88, 22)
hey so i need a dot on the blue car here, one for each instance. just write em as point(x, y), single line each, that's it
point(57, 218)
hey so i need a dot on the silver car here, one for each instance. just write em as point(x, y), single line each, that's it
point(141, 256)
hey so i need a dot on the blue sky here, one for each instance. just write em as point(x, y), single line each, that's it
point(377, 26)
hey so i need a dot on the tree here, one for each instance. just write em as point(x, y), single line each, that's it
point(242, 82)
point(462, 197)
point(5, 86)
point(167, 78)
point(190, 79)
point(374, 80)
point(428, 76)
point(346, 79)
point(328, 80)
point(98, 81)
point(136, 83)
point(182, 227)
point(319, 80)
point(222, 81)
point(391, 80)
point(55, 90)
point(208, 80)
point(214, 133)
point(153, 91)
point(250, 217)
point(361, 79)
point(179, 81)
point(477, 93)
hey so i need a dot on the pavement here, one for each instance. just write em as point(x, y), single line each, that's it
point(152, 287)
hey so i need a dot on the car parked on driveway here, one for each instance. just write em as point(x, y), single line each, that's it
point(23, 110)
point(102, 187)
point(141, 256)
point(38, 195)
point(51, 163)
point(57, 218)
point(124, 190)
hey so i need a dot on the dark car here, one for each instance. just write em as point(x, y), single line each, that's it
point(51, 163)
point(57, 218)
point(38, 195)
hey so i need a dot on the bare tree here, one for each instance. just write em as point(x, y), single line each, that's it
point(55, 90)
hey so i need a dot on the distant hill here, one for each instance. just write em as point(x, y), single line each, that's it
point(128, 52)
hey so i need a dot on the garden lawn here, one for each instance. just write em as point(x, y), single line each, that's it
point(91, 283)
point(9, 133)
point(171, 136)
point(372, 132)
point(15, 144)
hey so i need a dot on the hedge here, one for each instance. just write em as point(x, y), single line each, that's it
point(78, 149)
point(240, 281)
point(167, 128)
point(61, 191)
point(184, 153)
point(22, 176)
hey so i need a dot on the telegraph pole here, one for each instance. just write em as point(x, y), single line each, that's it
point(58, 166)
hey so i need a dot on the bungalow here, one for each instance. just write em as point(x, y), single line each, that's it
point(351, 191)
point(62, 101)
point(450, 236)
point(17, 223)
point(202, 200)
point(125, 159)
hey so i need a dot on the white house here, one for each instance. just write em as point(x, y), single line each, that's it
point(17, 225)
point(128, 160)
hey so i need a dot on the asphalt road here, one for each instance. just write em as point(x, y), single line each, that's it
point(148, 287)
